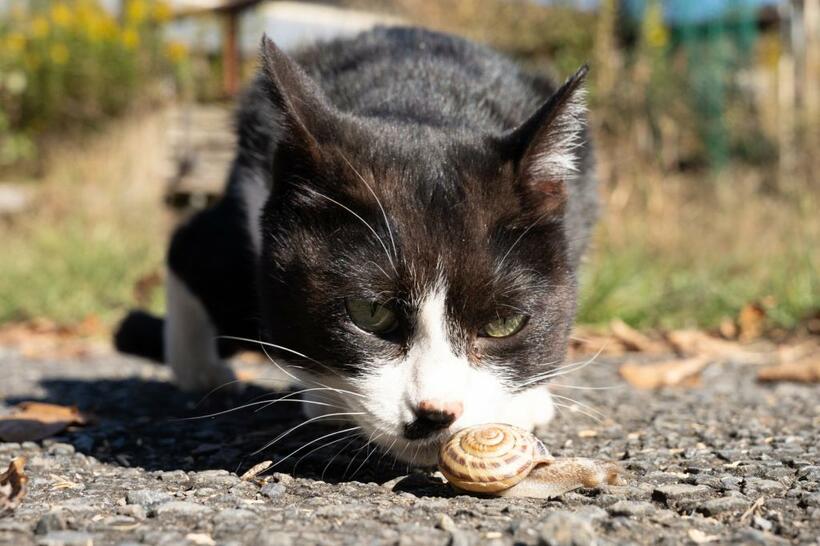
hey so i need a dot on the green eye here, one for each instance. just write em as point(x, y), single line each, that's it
point(504, 327)
point(371, 316)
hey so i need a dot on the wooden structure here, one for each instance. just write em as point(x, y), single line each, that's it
point(229, 11)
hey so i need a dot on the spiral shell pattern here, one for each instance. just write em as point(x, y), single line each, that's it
point(490, 458)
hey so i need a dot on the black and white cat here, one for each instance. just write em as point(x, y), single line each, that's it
point(403, 224)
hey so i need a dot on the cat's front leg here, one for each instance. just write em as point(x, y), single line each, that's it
point(191, 342)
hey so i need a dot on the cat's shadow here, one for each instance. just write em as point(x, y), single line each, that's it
point(152, 425)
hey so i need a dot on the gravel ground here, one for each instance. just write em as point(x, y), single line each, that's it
point(731, 461)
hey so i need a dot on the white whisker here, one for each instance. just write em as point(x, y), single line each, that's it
point(303, 423)
point(311, 443)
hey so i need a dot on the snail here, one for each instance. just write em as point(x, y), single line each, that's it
point(503, 460)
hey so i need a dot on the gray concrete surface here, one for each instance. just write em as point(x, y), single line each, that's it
point(729, 462)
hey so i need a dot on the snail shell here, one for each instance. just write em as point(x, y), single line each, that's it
point(490, 458)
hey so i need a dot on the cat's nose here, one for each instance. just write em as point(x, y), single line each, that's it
point(432, 416)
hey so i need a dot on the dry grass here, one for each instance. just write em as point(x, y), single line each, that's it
point(96, 227)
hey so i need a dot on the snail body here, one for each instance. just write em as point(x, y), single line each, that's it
point(503, 460)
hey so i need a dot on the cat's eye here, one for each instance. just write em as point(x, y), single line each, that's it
point(371, 316)
point(504, 326)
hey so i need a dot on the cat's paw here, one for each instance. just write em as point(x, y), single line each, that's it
point(214, 376)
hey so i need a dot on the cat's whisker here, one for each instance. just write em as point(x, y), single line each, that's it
point(365, 222)
point(323, 446)
point(586, 388)
point(312, 389)
point(356, 453)
point(378, 202)
point(303, 423)
point(518, 240)
point(330, 462)
point(580, 405)
point(370, 453)
point(559, 371)
point(249, 405)
point(575, 409)
point(319, 439)
point(264, 344)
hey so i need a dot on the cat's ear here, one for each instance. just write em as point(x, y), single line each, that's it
point(307, 116)
point(545, 148)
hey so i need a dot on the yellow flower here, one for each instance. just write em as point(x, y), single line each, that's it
point(58, 53)
point(130, 38)
point(39, 27)
point(15, 43)
point(176, 51)
point(162, 11)
point(135, 11)
point(61, 15)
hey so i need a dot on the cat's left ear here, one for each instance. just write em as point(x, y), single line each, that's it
point(545, 148)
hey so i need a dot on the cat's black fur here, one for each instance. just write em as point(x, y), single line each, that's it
point(448, 134)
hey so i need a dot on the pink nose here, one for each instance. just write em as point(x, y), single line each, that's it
point(431, 417)
point(439, 411)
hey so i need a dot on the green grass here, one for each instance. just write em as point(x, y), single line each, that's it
point(71, 270)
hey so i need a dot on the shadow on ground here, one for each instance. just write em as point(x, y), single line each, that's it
point(153, 425)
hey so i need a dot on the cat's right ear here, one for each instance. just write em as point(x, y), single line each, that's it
point(307, 116)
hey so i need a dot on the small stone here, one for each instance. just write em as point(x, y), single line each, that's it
point(233, 518)
point(132, 510)
point(273, 538)
point(273, 490)
point(52, 521)
point(147, 498)
point(732, 483)
point(762, 523)
point(66, 538)
point(631, 508)
point(713, 507)
point(757, 538)
point(215, 478)
point(563, 528)
point(679, 491)
point(173, 476)
point(61, 449)
point(759, 485)
point(181, 508)
point(457, 536)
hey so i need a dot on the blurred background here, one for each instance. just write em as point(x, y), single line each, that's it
point(115, 123)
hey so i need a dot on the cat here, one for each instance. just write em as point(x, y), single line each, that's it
point(401, 229)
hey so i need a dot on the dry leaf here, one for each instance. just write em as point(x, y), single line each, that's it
point(805, 371)
point(633, 340)
point(255, 470)
point(32, 421)
point(684, 372)
point(751, 320)
point(728, 328)
point(12, 485)
point(695, 342)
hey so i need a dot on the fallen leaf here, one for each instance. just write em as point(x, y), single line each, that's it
point(32, 421)
point(634, 340)
point(806, 370)
point(685, 372)
point(695, 342)
point(12, 485)
point(751, 321)
point(255, 470)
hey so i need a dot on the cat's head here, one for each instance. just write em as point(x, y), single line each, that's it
point(423, 272)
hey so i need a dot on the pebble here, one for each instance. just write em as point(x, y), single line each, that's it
point(680, 491)
point(631, 508)
point(273, 490)
point(66, 538)
point(457, 536)
point(564, 528)
point(52, 521)
point(714, 507)
point(180, 508)
point(147, 498)
point(757, 486)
